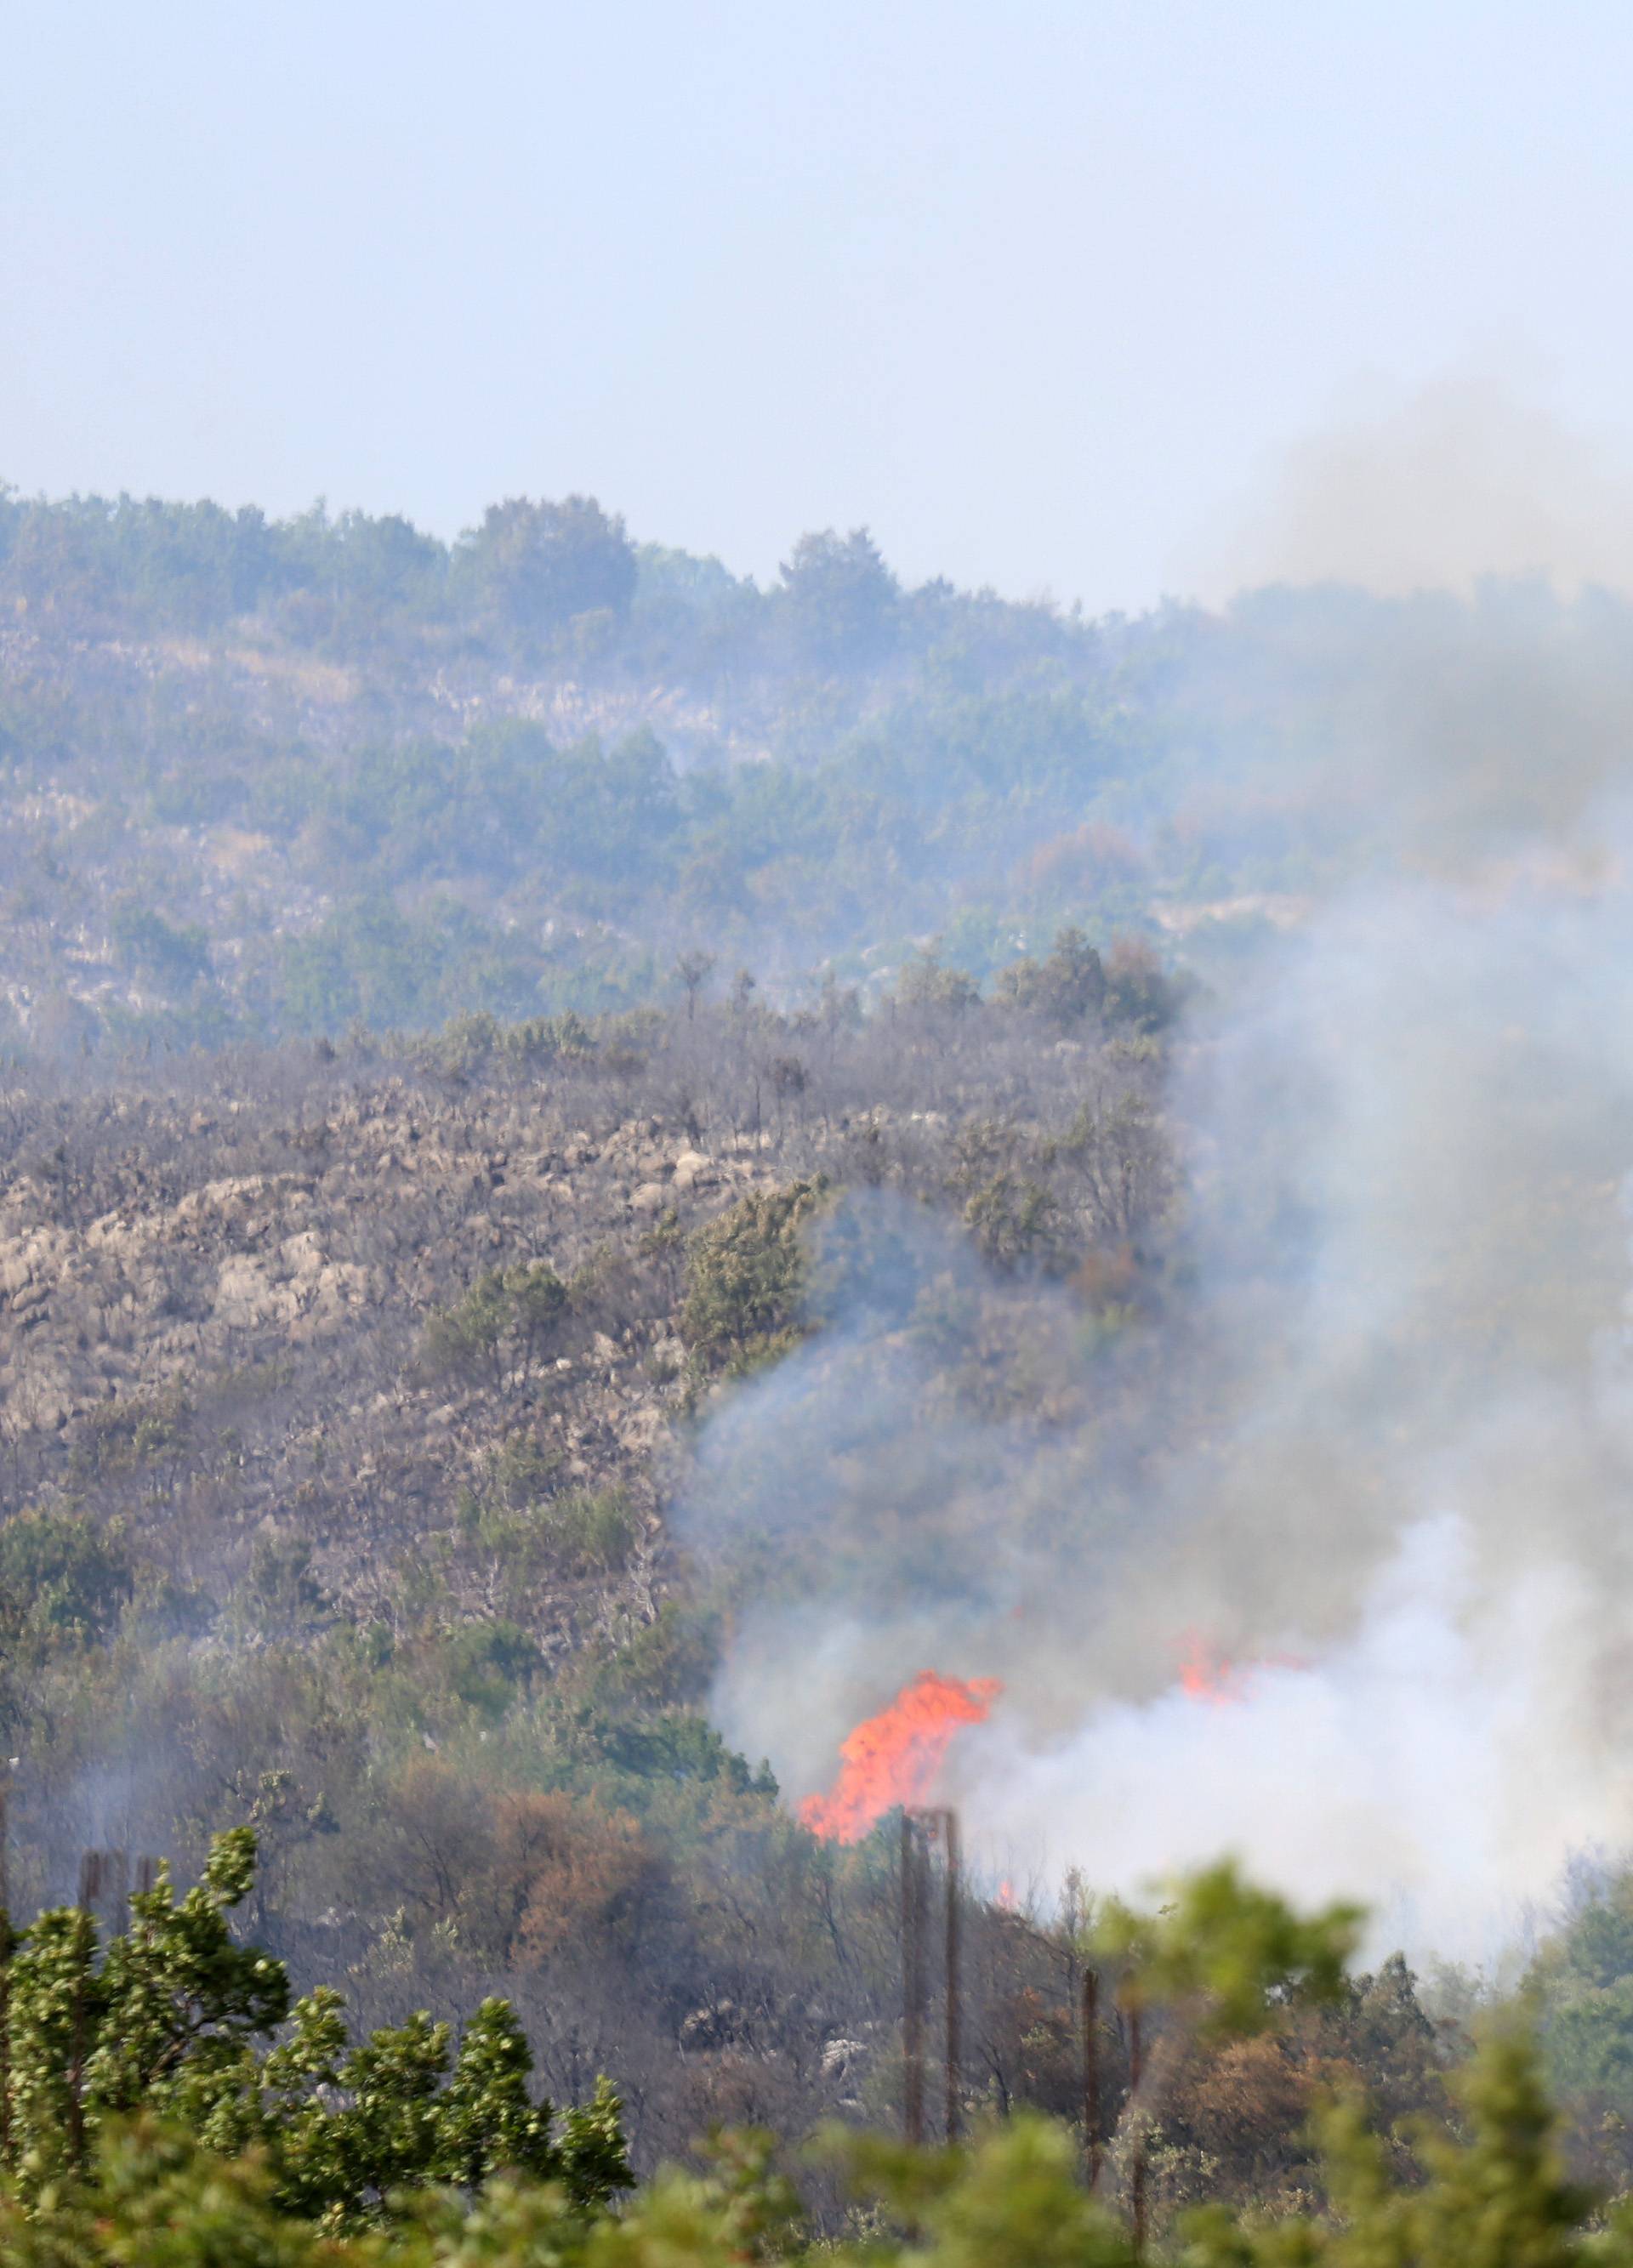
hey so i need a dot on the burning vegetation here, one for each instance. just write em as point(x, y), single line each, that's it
point(895, 1758)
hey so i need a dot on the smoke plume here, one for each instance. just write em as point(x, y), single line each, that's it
point(1466, 478)
point(1377, 1448)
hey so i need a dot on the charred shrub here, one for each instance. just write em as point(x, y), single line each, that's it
point(281, 1594)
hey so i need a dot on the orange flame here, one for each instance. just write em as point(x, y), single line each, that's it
point(895, 1756)
point(1206, 1672)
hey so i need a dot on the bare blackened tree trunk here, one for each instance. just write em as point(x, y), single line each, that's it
point(1091, 2072)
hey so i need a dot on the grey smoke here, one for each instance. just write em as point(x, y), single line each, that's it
point(1383, 1439)
point(1469, 476)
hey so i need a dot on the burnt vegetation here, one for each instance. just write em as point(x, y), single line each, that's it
point(347, 1394)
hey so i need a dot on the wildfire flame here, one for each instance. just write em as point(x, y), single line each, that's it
point(895, 1756)
point(1206, 1673)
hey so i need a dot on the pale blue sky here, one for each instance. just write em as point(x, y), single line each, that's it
point(1037, 291)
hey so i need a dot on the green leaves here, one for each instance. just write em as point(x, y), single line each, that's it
point(1494, 2197)
point(593, 2159)
point(507, 1312)
point(168, 2022)
point(744, 1274)
point(64, 1574)
point(1229, 1951)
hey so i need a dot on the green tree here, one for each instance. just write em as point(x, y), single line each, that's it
point(1067, 987)
point(166, 2014)
point(69, 1577)
point(841, 601)
point(530, 568)
point(1227, 1954)
point(744, 1275)
point(927, 983)
point(507, 1312)
point(171, 2020)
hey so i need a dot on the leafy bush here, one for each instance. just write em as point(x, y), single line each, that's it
point(135, 1433)
point(488, 1661)
point(678, 1744)
point(744, 1275)
point(1014, 1219)
point(509, 1313)
point(667, 1663)
point(65, 1574)
point(590, 1531)
point(531, 1535)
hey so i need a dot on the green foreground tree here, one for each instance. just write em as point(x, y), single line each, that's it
point(173, 2019)
point(148, 2125)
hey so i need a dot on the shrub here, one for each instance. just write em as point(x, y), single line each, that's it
point(65, 1574)
point(580, 1532)
point(1014, 1219)
point(140, 1432)
point(488, 1663)
point(744, 1276)
point(281, 1592)
point(507, 1313)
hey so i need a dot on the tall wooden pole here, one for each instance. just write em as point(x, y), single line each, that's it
point(913, 1886)
point(953, 1955)
point(7, 1945)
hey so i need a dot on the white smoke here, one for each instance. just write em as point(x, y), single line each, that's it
point(1430, 1759)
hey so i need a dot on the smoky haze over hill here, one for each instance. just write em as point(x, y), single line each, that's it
point(277, 779)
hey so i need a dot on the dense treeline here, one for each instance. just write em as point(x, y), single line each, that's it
point(172, 2018)
point(531, 579)
point(260, 777)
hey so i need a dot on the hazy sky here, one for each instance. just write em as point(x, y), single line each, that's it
point(1038, 292)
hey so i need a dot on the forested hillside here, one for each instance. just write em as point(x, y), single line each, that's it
point(269, 779)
